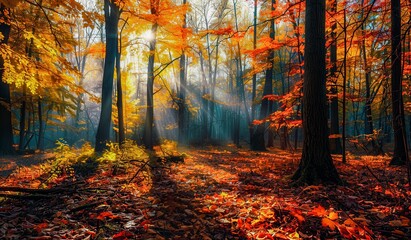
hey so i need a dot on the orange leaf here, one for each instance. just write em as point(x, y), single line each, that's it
point(299, 217)
point(325, 222)
point(318, 211)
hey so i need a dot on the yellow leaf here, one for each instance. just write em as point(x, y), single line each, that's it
point(294, 235)
point(333, 216)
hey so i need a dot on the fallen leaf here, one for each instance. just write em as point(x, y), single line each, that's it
point(326, 222)
point(122, 235)
point(318, 211)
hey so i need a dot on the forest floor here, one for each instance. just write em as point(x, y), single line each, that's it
point(216, 193)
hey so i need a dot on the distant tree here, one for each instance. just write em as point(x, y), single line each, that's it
point(335, 141)
point(316, 164)
point(6, 128)
point(111, 15)
point(182, 124)
point(400, 140)
point(258, 140)
point(149, 122)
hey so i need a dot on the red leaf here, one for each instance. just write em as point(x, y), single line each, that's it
point(145, 224)
point(122, 235)
point(40, 227)
point(240, 223)
point(104, 215)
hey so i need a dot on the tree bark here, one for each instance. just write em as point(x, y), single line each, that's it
point(182, 125)
point(111, 14)
point(400, 141)
point(149, 123)
point(316, 164)
point(335, 142)
point(120, 110)
point(40, 140)
point(6, 128)
point(258, 142)
point(254, 83)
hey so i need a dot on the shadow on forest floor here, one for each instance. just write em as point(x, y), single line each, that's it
point(217, 194)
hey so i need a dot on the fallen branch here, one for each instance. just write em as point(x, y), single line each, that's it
point(31, 190)
point(25, 196)
point(87, 205)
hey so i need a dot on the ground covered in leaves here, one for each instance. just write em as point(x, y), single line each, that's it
point(215, 193)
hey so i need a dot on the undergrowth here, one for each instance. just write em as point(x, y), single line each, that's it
point(71, 162)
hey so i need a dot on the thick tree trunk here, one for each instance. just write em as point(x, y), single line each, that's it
point(6, 128)
point(400, 140)
point(111, 14)
point(316, 164)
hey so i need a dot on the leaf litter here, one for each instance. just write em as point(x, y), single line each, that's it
point(214, 194)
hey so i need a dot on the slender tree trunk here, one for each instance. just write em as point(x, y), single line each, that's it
point(335, 143)
point(111, 14)
point(400, 141)
point(149, 123)
point(40, 140)
point(6, 128)
point(204, 101)
point(182, 125)
point(120, 109)
point(254, 87)
point(22, 123)
point(316, 165)
point(344, 100)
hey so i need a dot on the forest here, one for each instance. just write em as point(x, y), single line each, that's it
point(205, 119)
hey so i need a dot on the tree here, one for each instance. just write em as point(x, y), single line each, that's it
point(400, 141)
point(258, 142)
point(6, 136)
point(335, 143)
point(149, 122)
point(111, 15)
point(182, 124)
point(316, 164)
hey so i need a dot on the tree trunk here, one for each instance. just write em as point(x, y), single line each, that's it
point(335, 141)
point(258, 143)
point(120, 110)
point(316, 165)
point(182, 128)
point(149, 123)
point(22, 123)
point(111, 15)
point(6, 128)
point(40, 140)
point(400, 141)
point(254, 87)
point(204, 101)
